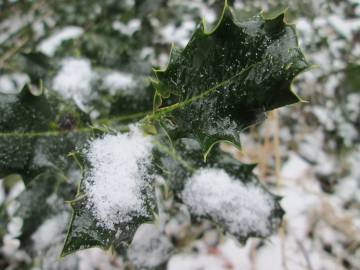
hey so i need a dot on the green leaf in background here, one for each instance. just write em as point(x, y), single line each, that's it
point(38, 201)
point(352, 80)
point(225, 80)
point(3, 220)
point(37, 65)
point(36, 132)
point(139, 102)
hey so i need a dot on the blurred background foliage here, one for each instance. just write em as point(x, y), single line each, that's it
point(308, 153)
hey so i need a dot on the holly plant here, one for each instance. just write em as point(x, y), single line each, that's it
point(153, 176)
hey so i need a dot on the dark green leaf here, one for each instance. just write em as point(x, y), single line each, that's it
point(37, 132)
point(352, 80)
point(85, 231)
point(225, 80)
point(139, 101)
point(3, 220)
point(35, 204)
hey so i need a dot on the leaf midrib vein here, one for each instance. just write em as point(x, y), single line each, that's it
point(79, 130)
point(182, 104)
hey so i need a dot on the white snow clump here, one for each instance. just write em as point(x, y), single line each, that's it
point(49, 45)
point(117, 176)
point(73, 81)
point(243, 208)
point(119, 81)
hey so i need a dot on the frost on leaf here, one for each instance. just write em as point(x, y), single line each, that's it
point(242, 209)
point(225, 80)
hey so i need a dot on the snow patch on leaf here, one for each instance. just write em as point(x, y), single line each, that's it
point(178, 34)
point(119, 172)
point(74, 79)
point(129, 28)
point(119, 81)
point(13, 83)
point(49, 45)
point(243, 208)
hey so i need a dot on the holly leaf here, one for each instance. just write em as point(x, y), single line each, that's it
point(83, 231)
point(140, 102)
point(351, 81)
point(225, 80)
point(3, 220)
point(37, 65)
point(86, 231)
point(179, 162)
point(38, 201)
point(221, 83)
point(37, 132)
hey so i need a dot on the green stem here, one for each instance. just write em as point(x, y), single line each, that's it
point(54, 133)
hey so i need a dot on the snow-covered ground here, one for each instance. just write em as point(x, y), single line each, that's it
point(314, 167)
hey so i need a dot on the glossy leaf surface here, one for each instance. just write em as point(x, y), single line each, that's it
point(225, 80)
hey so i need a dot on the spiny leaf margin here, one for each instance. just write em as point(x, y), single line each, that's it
point(164, 93)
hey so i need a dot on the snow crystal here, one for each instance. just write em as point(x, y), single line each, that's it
point(10, 245)
point(40, 158)
point(325, 117)
point(353, 106)
point(49, 259)
point(244, 208)
point(180, 35)
point(127, 29)
point(196, 262)
point(115, 81)
point(14, 226)
point(149, 247)
point(146, 52)
point(227, 125)
point(49, 231)
point(74, 80)
point(269, 257)
point(13, 24)
point(348, 133)
point(96, 258)
point(295, 167)
point(344, 26)
point(49, 45)
point(13, 83)
point(117, 175)
point(304, 27)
